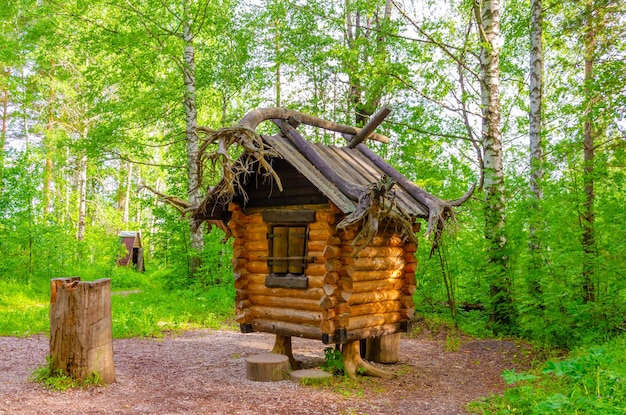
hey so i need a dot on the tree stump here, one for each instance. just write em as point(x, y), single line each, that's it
point(383, 349)
point(269, 367)
point(81, 333)
point(354, 363)
point(282, 345)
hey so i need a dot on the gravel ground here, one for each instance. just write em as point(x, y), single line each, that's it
point(203, 372)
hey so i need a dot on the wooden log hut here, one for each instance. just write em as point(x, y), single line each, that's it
point(324, 236)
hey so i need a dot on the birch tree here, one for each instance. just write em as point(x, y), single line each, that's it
point(535, 138)
point(488, 19)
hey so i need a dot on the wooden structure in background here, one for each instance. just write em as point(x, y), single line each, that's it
point(81, 336)
point(324, 236)
point(134, 251)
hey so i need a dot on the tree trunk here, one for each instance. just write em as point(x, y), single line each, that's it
point(81, 335)
point(588, 214)
point(82, 197)
point(536, 151)
point(129, 176)
point(191, 136)
point(354, 363)
point(5, 117)
point(501, 314)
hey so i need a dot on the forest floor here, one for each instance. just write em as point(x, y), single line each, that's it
point(203, 372)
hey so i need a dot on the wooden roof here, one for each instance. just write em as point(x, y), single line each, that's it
point(341, 174)
point(350, 163)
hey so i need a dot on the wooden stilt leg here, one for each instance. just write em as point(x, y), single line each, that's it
point(283, 346)
point(354, 363)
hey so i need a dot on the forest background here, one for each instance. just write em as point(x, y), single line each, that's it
point(100, 100)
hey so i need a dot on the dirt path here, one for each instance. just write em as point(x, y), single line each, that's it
point(203, 372)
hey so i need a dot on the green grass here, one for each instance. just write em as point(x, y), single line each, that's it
point(592, 381)
point(141, 306)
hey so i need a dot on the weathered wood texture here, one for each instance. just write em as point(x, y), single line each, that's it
point(345, 297)
point(383, 349)
point(268, 367)
point(81, 339)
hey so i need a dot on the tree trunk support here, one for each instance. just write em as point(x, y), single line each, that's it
point(354, 363)
point(283, 346)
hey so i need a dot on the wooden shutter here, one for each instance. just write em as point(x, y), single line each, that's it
point(280, 249)
point(297, 239)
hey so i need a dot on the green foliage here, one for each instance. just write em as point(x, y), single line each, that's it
point(333, 361)
point(589, 382)
point(56, 380)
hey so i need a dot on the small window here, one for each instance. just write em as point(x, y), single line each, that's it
point(287, 259)
point(287, 247)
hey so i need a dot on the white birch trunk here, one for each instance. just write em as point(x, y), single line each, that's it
point(82, 197)
point(495, 214)
point(197, 238)
point(535, 139)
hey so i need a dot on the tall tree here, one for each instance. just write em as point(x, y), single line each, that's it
point(535, 136)
point(488, 19)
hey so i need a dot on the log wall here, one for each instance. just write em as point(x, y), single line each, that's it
point(285, 311)
point(347, 297)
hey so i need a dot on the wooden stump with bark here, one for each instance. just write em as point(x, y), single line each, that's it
point(81, 334)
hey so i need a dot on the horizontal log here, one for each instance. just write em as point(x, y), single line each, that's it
point(316, 256)
point(285, 302)
point(325, 216)
point(238, 216)
point(287, 329)
point(345, 284)
point(367, 332)
point(258, 255)
point(258, 245)
point(378, 264)
point(261, 289)
point(319, 234)
point(256, 267)
point(327, 302)
point(253, 227)
point(315, 246)
point(373, 320)
point(372, 297)
point(375, 275)
point(331, 251)
point(289, 315)
point(374, 251)
point(343, 307)
point(409, 289)
point(324, 226)
point(243, 316)
point(377, 285)
point(344, 296)
point(315, 270)
point(242, 233)
point(333, 240)
point(375, 308)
